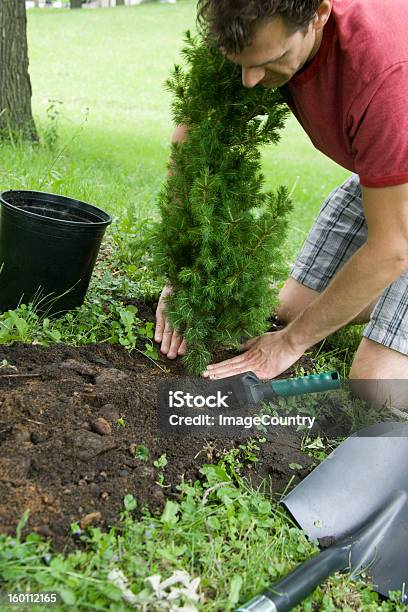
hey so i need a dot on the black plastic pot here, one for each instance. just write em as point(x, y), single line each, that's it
point(48, 248)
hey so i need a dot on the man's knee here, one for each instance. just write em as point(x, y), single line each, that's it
point(293, 299)
point(379, 376)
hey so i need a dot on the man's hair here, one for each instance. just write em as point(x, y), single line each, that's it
point(231, 24)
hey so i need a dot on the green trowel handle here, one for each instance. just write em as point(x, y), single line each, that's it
point(291, 590)
point(314, 383)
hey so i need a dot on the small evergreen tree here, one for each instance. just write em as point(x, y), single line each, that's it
point(220, 236)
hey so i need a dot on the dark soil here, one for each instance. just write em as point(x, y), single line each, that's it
point(63, 456)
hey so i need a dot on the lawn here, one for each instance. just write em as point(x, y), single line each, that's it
point(107, 69)
point(105, 124)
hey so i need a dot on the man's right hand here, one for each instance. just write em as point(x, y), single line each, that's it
point(172, 344)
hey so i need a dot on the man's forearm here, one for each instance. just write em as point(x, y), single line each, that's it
point(358, 283)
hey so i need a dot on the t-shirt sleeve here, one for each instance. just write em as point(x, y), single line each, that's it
point(378, 121)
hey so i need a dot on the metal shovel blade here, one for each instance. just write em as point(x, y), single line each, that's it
point(357, 479)
point(368, 549)
point(356, 503)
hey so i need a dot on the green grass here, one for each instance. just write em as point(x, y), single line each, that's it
point(105, 123)
point(106, 141)
point(110, 65)
point(220, 531)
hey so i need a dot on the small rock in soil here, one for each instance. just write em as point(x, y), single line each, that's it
point(79, 367)
point(44, 531)
point(110, 376)
point(37, 438)
point(48, 500)
point(90, 519)
point(101, 426)
point(85, 444)
point(123, 473)
point(100, 361)
point(109, 412)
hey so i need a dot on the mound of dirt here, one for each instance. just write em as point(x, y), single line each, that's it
point(70, 420)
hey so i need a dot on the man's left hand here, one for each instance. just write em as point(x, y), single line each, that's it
point(266, 356)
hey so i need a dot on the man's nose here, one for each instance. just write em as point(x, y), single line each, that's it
point(252, 76)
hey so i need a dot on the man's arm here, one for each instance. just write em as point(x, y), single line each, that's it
point(171, 343)
point(379, 262)
point(368, 272)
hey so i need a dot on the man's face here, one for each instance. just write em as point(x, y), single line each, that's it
point(276, 54)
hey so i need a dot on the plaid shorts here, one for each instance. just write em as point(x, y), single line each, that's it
point(339, 230)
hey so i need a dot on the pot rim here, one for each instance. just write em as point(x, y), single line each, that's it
point(104, 218)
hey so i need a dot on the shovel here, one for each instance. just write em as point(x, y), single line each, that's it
point(357, 499)
point(247, 389)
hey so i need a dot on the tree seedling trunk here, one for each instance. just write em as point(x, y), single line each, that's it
point(219, 242)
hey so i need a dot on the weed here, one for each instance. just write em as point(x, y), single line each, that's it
point(51, 131)
point(129, 502)
point(295, 466)
point(249, 450)
point(141, 452)
point(318, 448)
point(102, 318)
point(234, 459)
point(160, 464)
point(230, 536)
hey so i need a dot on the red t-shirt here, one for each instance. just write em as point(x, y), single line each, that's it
point(352, 99)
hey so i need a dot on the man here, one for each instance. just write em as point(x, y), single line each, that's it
point(345, 65)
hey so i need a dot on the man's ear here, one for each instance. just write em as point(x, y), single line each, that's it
point(322, 14)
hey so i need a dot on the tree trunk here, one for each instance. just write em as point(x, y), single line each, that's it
point(15, 90)
point(76, 4)
point(120, 2)
point(37, 3)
